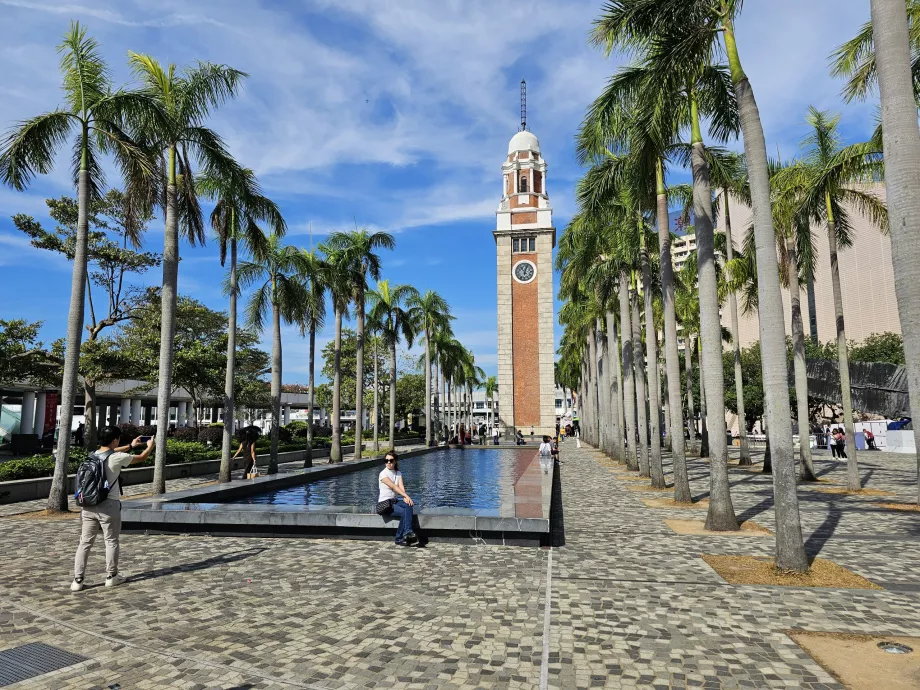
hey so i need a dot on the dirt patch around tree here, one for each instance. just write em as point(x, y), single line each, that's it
point(47, 516)
point(698, 527)
point(859, 663)
point(634, 487)
point(632, 478)
point(702, 504)
point(755, 570)
point(906, 507)
point(843, 491)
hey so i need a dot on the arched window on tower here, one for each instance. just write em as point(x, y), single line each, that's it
point(522, 187)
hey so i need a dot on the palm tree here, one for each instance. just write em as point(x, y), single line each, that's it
point(98, 114)
point(374, 329)
point(315, 274)
point(239, 209)
point(856, 59)
point(433, 314)
point(359, 260)
point(902, 161)
point(686, 34)
point(790, 183)
point(283, 295)
point(491, 386)
point(834, 171)
point(185, 98)
point(730, 177)
point(340, 291)
point(390, 308)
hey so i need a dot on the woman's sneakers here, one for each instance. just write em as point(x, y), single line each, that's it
point(409, 540)
point(77, 584)
point(114, 580)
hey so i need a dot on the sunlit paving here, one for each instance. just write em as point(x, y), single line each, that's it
point(460, 345)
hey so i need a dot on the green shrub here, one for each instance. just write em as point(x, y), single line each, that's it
point(185, 433)
point(213, 433)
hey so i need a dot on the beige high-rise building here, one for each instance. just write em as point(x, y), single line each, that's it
point(866, 281)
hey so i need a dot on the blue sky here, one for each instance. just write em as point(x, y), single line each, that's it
point(395, 115)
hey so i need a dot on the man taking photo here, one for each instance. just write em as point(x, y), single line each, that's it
point(102, 503)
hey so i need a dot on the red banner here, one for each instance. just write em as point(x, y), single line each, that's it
point(51, 404)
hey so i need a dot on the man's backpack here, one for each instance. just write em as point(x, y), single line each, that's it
point(92, 487)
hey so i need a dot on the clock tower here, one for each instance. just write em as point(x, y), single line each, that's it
point(524, 242)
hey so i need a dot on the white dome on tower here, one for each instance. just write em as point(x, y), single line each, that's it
point(524, 141)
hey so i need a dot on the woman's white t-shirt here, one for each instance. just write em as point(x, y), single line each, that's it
point(386, 492)
point(546, 449)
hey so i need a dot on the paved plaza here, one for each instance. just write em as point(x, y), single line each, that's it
point(631, 604)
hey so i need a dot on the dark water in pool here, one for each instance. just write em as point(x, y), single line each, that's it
point(468, 478)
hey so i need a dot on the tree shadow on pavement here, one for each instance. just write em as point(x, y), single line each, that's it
point(214, 561)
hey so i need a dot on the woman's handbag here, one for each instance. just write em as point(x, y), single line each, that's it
point(253, 472)
point(384, 507)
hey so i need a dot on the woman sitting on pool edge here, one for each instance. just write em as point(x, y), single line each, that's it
point(393, 499)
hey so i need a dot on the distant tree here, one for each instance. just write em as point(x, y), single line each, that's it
point(22, 355)
point(753, 383)
point(879, 347)
point(201, 354)
point(410, 394)
point(116, 228)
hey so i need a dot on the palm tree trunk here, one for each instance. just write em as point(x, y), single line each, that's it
point(89, 414)
point(691, 409)
point(168, 296)
point(806, 469)
point(843, 360)
point(639, 372)
point(57, 496)
point(308, 455)
point(227, 440)
point(276, 384)
point(335, 451)
point(704, 427)
point(812, 309)
point(629, 380)
point(656, 470)
point(359, 375)
point(620, 392)
point(594, 436)
point(671, 349)
point(444, 417)
point(376, 401)
point(393, 394)
point(428, 437)
point(902, 168)
point(613, 392)
point(600, 381)
point(721, 515)
point(745, 458)
point(790, 549)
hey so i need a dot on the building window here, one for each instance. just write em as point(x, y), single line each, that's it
point(558, 402)
point(523, 185)
point(523, 245)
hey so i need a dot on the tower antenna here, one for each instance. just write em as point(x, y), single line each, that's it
point(523, 105)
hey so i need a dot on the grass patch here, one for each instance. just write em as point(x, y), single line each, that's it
point(698, 527)
point(754, 570)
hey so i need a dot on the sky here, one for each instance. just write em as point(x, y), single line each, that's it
point(389, 115)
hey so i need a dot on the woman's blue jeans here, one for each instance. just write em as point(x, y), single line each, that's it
point(403, 511)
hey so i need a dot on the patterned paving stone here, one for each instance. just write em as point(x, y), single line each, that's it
point(632, 604)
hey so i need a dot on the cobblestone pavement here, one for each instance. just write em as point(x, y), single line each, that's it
point(632, 605)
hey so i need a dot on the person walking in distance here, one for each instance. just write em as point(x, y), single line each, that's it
point(494, 435)
point(102, 503)
point(531, 433)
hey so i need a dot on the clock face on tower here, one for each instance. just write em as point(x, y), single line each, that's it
point(524, 271)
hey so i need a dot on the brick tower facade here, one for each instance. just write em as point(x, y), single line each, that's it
point(524, 241)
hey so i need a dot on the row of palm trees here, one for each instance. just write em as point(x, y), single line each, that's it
point(631, 136)
point(156, 133)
